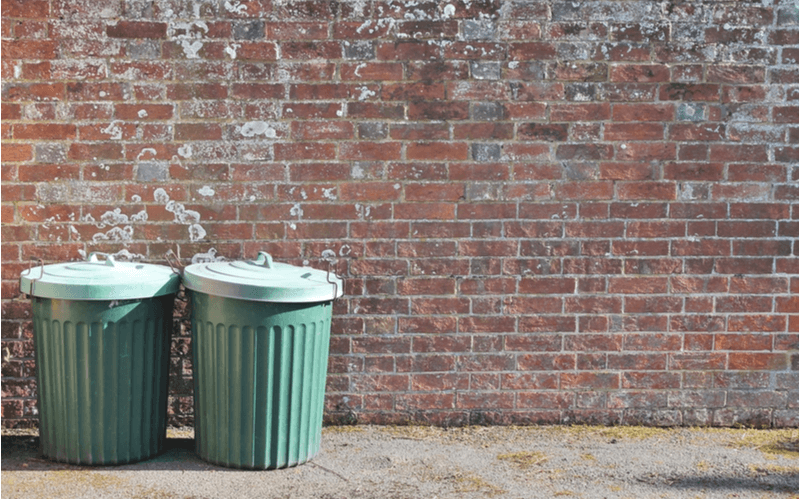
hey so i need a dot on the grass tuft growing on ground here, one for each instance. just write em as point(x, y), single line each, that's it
point(524, 459)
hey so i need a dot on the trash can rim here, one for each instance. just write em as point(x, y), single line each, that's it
point(93, 279)
point(263, 280)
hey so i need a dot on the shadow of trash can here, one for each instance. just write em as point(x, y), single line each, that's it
point(260, 340)
point(101, 333)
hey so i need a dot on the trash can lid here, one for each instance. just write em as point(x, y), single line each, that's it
point(93, 279)
point(263, 280)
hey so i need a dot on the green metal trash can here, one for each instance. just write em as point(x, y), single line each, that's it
point(101, 332)
point(260, 338)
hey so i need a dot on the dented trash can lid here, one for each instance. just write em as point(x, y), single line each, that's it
point(263, 280)
point(94, 279)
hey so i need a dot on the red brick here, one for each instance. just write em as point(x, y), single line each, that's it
point(381, 151)
point(646, 191)
point(29, 49)
point(26, 8)
point(372, 71)
point(637, 285)
point(595, 230)
point(55, 131)
point(137, 29)
point(639, 73)
point(297, 31)
point(444, 305)
point(590, 381)
point(644, 151)
point(485, 131)
point(138, 112)
point(540, 91)
point(304, 151)
point(626, 171)
point(633, 131)
point(535, 51)
point(691, 132)
point(547, 286)
point(743, 266)
point(198, 131)
point(79, 151)
point(31, 92)
point(546, 324)
point(434, 110)
point(735, 74)
point(757, 323)
point(689, 92)
point(17, 152)
point(758, 361)
point(785, 114)
point(429, 211)
point(369, 191)
point(406, 51)
point(437, 151)
point(694, 171)
point(543, 131)
point(305, 50)
point(643, 112)
point(437, 70)
point(584, 152)
point(257, 91)
point(476, 50)
point(579, 112)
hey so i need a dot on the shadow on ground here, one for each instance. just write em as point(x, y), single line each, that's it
point(21, 453)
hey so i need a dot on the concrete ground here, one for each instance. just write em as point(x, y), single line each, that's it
point(425, 462)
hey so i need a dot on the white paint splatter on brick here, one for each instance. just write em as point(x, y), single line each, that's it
point(113, 130)
point(210, 256)
point(160, 196)
point(139, 217)
point(115, 234)
point(231, 49)
point(254, 128)
point(235, 7)
point(206, 191)
point(144, 151)
point(366, 93)
point(191, 49)
point(190, 218)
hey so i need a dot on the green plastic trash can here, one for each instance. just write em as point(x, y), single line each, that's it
point(101, 332)
point(260, 335)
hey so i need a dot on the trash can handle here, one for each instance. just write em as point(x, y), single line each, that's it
point(177, 268)
point(264, 259)
point(41, 272)
point(93, 258)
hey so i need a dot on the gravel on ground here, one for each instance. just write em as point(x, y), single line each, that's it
point(429, 462)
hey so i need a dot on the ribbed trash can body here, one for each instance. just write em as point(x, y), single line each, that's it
point(259, 378)
point(102, 378)
point(259, 366)
point(101, 365)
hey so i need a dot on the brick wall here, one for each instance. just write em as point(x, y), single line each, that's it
point(545, 211)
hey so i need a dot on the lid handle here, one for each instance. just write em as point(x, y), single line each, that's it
point(264, 259)
point(109, 259)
